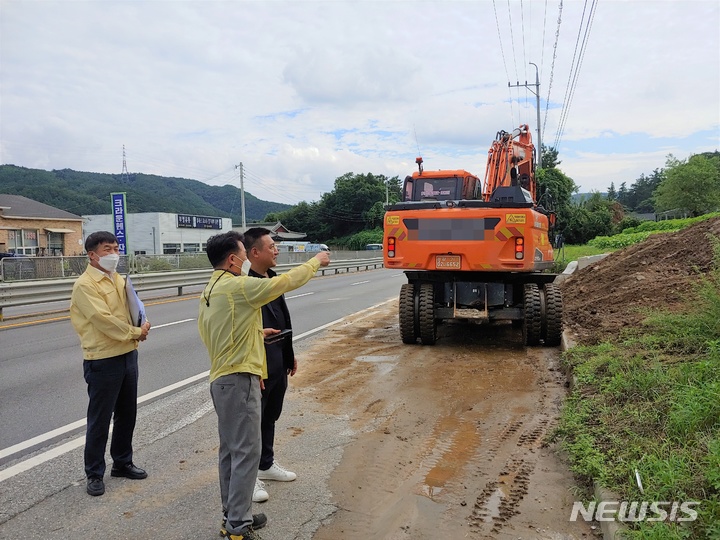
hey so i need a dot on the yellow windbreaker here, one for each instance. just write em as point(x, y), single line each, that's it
point(99, 313)
point(231, 325)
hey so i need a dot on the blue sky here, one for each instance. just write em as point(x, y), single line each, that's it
point(305, 91)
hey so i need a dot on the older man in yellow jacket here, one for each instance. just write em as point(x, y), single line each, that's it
point(230, 325)
point(109, 339)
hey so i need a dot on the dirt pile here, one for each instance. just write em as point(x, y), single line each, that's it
point(616, 292)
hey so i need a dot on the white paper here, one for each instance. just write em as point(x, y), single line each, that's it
point(135, 305)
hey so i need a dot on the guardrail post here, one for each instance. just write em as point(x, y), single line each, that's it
point(180, 291)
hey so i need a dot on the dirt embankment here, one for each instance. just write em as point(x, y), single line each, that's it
point(616, 292)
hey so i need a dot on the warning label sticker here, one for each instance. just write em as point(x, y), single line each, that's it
point(514, 218)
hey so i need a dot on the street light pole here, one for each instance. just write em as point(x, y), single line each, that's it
point(242, 194)
point(538, 165)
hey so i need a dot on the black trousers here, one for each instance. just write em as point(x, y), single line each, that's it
point(272, 404)
point(112, 389)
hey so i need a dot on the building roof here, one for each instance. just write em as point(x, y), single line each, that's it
point(278, 230)
point(17, 206)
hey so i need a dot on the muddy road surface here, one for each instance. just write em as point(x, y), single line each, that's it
point(449, 439)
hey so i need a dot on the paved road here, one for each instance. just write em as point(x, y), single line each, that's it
point(41, 382)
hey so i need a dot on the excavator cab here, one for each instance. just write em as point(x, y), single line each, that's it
point(457, 185)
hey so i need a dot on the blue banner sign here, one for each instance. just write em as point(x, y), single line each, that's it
point(118, 217)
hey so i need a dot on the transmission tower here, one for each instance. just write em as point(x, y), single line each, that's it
point(124, 177)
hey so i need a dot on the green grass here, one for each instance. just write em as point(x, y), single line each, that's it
point(568, 253)
point(650, 401)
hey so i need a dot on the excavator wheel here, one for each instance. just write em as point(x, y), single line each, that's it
point(532, 310)
point(553, 315)
point(407, 314)
point(426, 314)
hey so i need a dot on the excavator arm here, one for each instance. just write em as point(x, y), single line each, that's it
point(511, 162)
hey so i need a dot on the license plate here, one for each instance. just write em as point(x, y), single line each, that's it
point(447, 261)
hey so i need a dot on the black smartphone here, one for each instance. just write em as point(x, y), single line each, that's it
point(278, 337)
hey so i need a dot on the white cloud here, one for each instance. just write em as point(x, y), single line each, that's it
point(303, 92)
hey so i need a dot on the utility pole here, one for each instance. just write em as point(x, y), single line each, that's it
point(242, 194)
point(538, 165)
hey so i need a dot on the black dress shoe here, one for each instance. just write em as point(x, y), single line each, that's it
point(259, 521)
point(129, 471)
point(95, 486)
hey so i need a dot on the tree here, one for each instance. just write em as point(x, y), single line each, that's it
point(304, 217)
point(692, 185)
point(594, 217)
point(555, 193)
point(549, 157)
point(622, 194)
point(611, 193)
point(356, 203)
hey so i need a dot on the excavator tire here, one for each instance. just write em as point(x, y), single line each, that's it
point(532, 310)
point(553, 315)
point(426, 314)
point(407, 314)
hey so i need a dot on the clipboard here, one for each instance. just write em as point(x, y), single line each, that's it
point(135, 305)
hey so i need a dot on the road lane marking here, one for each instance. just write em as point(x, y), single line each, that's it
point(67, 317)
point(171, 323)
point(360, 282)
point(41, 458)
point(30, 323)
point(298, 295)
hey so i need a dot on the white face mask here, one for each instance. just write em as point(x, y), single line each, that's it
point(109, 262)
point(245, 268)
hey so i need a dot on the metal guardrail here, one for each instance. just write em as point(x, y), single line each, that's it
point(24, 293)
point(22, 268)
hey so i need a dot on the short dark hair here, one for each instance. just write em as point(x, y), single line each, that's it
point(100, 237)
point(253, 235)
point(221, 245)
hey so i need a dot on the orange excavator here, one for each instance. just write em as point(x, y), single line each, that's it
point(475, 253)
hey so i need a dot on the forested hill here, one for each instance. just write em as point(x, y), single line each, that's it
point(89, 193)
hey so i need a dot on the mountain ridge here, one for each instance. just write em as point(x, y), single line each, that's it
point(85, 193)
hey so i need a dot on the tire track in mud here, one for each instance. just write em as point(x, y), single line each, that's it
point(447, 439)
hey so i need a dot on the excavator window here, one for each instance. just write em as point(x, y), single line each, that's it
point(436, 189)
point(408, 189)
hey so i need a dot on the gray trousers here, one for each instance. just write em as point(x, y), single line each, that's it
point(236, 398)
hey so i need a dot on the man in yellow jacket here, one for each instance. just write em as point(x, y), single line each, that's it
point(230, 325)
point(100, 315)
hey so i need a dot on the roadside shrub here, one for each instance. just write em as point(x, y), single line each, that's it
point(194, 262)
point(619, 240)
point(158, 265)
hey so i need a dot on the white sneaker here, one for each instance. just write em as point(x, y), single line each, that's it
point(259, 493)
point(276, 472)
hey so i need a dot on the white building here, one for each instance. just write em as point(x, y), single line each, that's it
point(155, 233)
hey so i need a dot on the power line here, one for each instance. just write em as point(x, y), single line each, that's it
point(575, 73)
point(552, 67)
point(542, 48)
point(522, 25)
point(502, 53)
